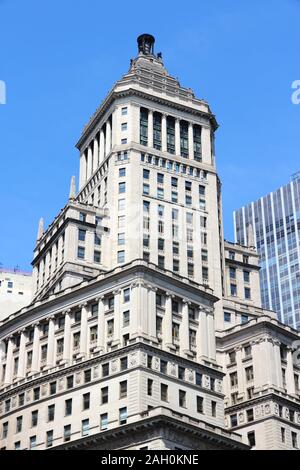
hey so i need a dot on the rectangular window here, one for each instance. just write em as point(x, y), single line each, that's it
point(251, 438)
point(121, 204)
point(126, 295)
point(70, 381)
point(97, 256)
point(122, 187)
point(68, 407)
point(247, 293)
point(250, 415)
point(197, 142)
point(52, 388)
point(164, 392)
point(85, 427)
point(233, 420)
point(19, 423)
point(249, 374)
point(80, 252)
point(86, 401)
point(123, 415)
point(214, 409)
point(146, 189)
point(184, 139)
point(104, 421)
point(104, 395)
point(121, 221)
point(105, 369)
point(160, 178)
point(174, 196)
point(81, 235)
point(67, 433)
point(233, 290)
point(110, 327)
point(121, 256)
point(157, 131)
point(87, 375)
point(124, 111)
point(199, 404)
point(51, 412)
point(123, 142)
point(161, 262)
point(124, 126)
point(5, 430)
point(32, 442)
point(121, 238)
point(233, 379)
point(126, 318)
point(49, 438)
point(170, 134)
point(149, 387)
point(227, 317)
point(144, 126)
point(175, 248)
point(160, 193)
point(174, 182)
point(123, 389)
point(36, 393)
point(182, 399)
point(34, 418)
point(124, 363)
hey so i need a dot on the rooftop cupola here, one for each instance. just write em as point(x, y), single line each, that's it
point(146, 44)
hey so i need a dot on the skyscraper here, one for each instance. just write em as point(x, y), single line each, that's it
point(276, 222)
point(146, 329)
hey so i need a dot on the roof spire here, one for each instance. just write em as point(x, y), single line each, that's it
point(40, 229)
point(72, 194)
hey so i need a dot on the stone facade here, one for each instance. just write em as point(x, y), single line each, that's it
point(138, 301)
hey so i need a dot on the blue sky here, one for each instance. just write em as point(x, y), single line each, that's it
point(60, 58)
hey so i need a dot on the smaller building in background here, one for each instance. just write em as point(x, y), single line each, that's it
point(275, 219)
point(15, 291)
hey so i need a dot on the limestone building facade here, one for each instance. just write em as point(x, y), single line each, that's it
point(139, 303)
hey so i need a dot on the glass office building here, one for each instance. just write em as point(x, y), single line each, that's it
point(275, 219)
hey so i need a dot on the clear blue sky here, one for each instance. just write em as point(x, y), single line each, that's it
point(60, 58)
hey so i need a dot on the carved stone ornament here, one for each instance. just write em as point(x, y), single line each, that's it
point(267, 409)
point(206, 381)
point(287, 413)
point(219, 386)
point(96, 372)
point(14, 401)
point(133, 359)
point(61, 384)
point(114, 366)
point(144, 359)
point(44, 390)
point(156, 363)
point(28, 395)
point(241, 417)
point(276, 409)
point(190, 375)
point(173, 368)
point(257, 411)
point(78, 377)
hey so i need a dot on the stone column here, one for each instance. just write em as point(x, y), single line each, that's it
point(191, 141)
point(150, 128)
point(22, 355)
point(84, 331)
point(277, 359)
point(101, 326)
point(290, 380)
point(95, 154)
point(211, 335)
point(51, 339)
point(67, 338)
point(167, 323)
point(152, 313)
point(9, 362)
point(101, 146)
point(117, 304)
point(184, 329)
point(164, 132)
point(135, 310)
point(89, 162)
point(83, 169)
point(202, 342)
point(35, 367)
point(108, 137)
point(240, 369)
point(177, 137)
point(255, 350)
point(2, 359)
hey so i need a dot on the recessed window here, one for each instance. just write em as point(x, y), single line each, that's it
point(244, 318)
point(86, 401)
point(200, 404)
point(123, 141)
point(182, 398)
point(121, 256)
point(82, 217)
point(105, 370)
point(164, 392)
point(149, 387)
point(227, 317)
point(67, 433)
point(124, 363)
point(233, 290)
point(70, 381)
point(160, 193)
point(68, 407)
point(81, 235)
point(124, 111)
point(123, 415)
point(85, 427)
point(122, 187)
point(146, 189)
point(214, 409)
point(121, 238)
point(51, 412)
point(251, 438)
point(121, 205)
point(123, 389)
point(126, 318)
point(104, 395)
point(80, 252)
point(52, 387)
point(97, 256)
point(247, 293)
point(104, 421)
point(32, 442)
point(160, 178)
point(124, 126)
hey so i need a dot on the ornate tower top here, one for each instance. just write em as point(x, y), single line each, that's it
point(146, 44)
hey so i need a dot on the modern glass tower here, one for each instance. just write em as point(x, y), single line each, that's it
point(276, 222)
